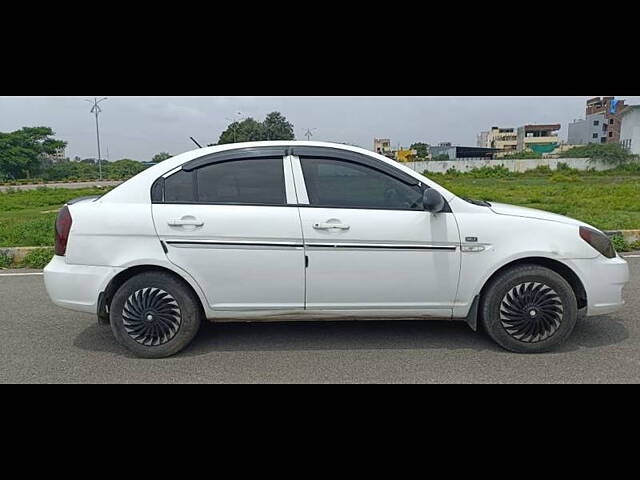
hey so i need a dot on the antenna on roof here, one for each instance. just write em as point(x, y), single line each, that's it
point(194, 141)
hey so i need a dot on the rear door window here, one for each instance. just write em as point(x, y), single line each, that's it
point(250, 181)
point(258, 181)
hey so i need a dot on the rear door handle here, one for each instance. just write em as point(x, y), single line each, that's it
point(185, 222)
point(329, 226)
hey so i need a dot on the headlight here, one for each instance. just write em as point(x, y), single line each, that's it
point(599, 241)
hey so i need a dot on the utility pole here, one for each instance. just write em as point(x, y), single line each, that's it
point(235, 128)
point(95, 109)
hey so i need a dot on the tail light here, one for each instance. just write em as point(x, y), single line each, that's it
point(63, 227)
point(599, 241)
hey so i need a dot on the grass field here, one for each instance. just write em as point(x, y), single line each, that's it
point(607, 202)
point(610, 202)
point(27, 218)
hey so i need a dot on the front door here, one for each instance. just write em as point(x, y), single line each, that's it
point(370, 244)
point(234, 227)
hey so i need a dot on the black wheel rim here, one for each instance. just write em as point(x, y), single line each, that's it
point(531, 312)
point(151, 316)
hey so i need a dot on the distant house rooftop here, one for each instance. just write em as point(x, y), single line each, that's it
point(552, 126)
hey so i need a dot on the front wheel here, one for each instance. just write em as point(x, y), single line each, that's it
point(155, 315)
point(529, 309)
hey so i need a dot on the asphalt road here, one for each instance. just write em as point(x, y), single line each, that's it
point(43, 343)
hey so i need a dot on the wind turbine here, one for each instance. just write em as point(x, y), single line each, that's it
point(309, 133)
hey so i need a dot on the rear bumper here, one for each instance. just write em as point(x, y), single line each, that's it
point(76, 287)
point(603, 279)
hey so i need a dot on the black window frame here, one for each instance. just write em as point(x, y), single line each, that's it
point(192, 167)
point(157, 188)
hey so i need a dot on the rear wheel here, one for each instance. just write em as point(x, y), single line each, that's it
point(529, 309)
point(155, 315)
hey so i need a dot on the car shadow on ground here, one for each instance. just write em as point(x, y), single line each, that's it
point(596, 332)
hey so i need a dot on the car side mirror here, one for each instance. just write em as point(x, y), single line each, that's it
point(433, 201)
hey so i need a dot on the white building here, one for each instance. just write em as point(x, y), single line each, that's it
point(630, 128)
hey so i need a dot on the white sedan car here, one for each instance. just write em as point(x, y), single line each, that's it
point(273, 231)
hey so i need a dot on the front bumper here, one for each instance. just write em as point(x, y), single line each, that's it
point(603, 279)
point(76, 287)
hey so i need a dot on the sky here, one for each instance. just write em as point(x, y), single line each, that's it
point(140, 127)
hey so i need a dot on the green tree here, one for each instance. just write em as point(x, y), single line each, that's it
point(161, 157)
point(421, 148)
point(274, 127)
point(22, 151)
point(247, 130)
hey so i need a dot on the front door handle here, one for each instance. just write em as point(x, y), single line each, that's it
point(185, 222)
point(329, 226)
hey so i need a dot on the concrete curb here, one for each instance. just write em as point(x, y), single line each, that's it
point(631, 236)
point(17, 254)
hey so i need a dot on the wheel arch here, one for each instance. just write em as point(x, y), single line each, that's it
point(118, 280)
point(555, 265)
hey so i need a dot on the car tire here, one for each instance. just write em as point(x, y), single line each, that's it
point(528, 309)
point(155, 315)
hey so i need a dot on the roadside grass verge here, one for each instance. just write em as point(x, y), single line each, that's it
point(37, 258)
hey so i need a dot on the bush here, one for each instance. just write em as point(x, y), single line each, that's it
point(524, 155)
point(498, 171)
point(38, 258)
point(84, 171)
point(5, 260)
point(632, 168)
point(619, 243)
point(560, 177)
point(610, 153)
point(540, 170)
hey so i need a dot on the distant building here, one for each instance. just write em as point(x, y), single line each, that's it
point(56, 157)
point(584, 131)
point(601, 124)
point(382, 146)
point(405, 155)
point(483, 140)
point(630, 128)
point(505, 140)
point(538, 138)
point(458, 152)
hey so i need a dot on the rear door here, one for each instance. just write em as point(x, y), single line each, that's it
point(370, 243)
point(232, 223)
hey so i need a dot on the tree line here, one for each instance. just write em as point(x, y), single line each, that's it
point(33, 152)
